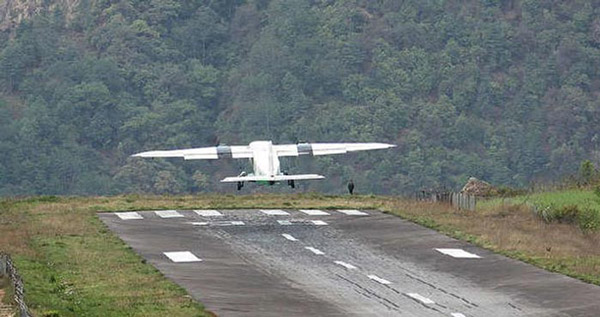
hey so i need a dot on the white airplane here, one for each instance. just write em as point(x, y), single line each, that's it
point(265, 158)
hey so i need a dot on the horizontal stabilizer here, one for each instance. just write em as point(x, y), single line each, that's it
point(278, 178)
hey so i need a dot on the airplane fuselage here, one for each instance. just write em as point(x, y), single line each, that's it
point(265, 160)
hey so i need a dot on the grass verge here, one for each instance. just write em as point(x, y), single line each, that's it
point(73, 265)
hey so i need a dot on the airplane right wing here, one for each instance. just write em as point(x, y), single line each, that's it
point(203, 153)
point(327, 148)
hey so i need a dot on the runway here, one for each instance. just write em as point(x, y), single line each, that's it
point(340, 263)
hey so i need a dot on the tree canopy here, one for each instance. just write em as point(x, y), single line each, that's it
point(505, 91)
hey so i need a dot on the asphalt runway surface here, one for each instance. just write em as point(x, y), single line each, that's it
point(340, 263)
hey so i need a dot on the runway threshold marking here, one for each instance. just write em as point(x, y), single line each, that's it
point(458, 253)
point(182, 256)
point(314, 212)
point(284, 222)
point(319, 222)
point(346, 265)
point(421, 298)
point(289, 237)
point(457, 315)
point(275, 212)
point(199, 223)
point(379, 279)
point(353, 212)
point(315, 251)
point(168, 214)
point(129, 215)
point(208, 213)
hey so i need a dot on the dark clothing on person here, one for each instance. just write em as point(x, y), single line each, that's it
point(351, 187)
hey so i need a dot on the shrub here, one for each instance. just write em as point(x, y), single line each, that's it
point(589, 220)
point(505, 191)
point(587, 172)
point(567, 214)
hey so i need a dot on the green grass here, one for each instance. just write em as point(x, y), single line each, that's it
point(575, 197)
point(576, 206)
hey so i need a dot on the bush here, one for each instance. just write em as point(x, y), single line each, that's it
point(567, 214)
point(587, 219)
point(505, 191)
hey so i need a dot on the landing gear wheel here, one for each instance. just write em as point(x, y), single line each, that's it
point(240, 185)
point(291, 183)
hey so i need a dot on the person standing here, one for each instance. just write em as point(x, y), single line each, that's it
point(351, 187)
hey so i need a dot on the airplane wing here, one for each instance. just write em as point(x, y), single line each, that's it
point(203, 153)
point(277, 178)
point(326, 148)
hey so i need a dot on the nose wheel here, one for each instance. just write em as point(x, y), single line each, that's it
point(240, 185)
point(291, 183)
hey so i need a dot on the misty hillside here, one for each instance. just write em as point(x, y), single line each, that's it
point(506, 91)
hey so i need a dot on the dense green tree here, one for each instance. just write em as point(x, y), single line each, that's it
point(500, 90)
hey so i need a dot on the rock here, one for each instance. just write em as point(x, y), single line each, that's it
point(478, 188)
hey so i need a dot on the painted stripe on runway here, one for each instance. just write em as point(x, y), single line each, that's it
point(319, 222)
point(168, 214)
point(457, 315)
point(229, 223)
point(353, 212)
point(182, 256)
point(314, 212)
point(346, 265)
point(420, 298)
point(199, 223)
point(208, 213)
point(289, 237)
point(379, 279)
point(284, 222)
point(129, 215)
point(315, 251)
point(275, 212)
point(458, 253)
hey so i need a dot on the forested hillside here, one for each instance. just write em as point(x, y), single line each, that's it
point(506, 91)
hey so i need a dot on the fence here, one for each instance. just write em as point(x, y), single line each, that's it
point(8, 268)
point(458, 200)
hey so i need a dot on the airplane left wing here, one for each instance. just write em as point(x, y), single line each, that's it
point(203, 153)
point(326, 148)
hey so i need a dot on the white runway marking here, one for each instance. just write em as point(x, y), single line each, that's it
point(229, 223)
point(314, 212)
point(199, 223)
point(353, 212)
point(319, 222)
point(420, 298)
point(315, 251)
point(346, 265)
point(379, 279)
point(289, 237)
point(208, 213)
point(129, 215)
point(168, 214)
point(284, 222)
point(275, 212)
point(458, 253)
point(457, 315)
point(182, 256)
